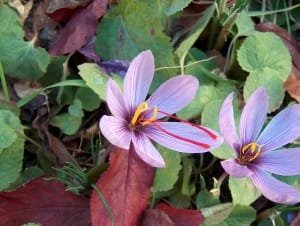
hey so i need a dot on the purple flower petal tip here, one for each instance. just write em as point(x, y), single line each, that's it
point(233, 168)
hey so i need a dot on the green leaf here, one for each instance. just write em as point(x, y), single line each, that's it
point(89, 99)
point(10, 22)
point(69, 122)
point(123, 34)
point(94, 78)
point(194, 34)
point(21, 59)
point(188, 186)
point(205, 199)
point(210, 118)
point(177, 5)
point(244, 24)
point(240, 187)
point(216, 214)
point(11, 157)
point(265, 53)
point(165, 178)
point(76, 109)
point(28, 174)
point(272, 83)
point(29, 97)
point(240, 215)
point(228, 215)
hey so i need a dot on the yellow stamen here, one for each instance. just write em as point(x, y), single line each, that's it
point(139, 110)
point(152, 118)
point(254, 149)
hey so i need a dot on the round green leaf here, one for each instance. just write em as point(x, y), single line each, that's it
point(265, 51)
point(165, 178)
point(11, 157)
point(271, 82)
point(21, 59)
point(240, 187)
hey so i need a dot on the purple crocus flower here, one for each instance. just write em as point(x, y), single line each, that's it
point(260, 154)
point(136, 121)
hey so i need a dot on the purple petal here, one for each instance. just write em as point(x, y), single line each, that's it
point(274, 189)
point(227, 124)
point(253, 116)
point(174, 94)
point(233, 168)
point(138, 79)
point(116, 131)
point(160, 132)
point(284, 162)
point(145, 149)
point(283, 129)
point(115, 100)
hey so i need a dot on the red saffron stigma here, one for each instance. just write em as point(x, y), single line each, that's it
point(179, 137)
point(213, 136)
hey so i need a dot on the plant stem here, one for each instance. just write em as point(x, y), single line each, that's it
point(4, 84)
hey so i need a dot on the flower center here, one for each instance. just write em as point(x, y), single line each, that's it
point(249, 153)
point(137, 118)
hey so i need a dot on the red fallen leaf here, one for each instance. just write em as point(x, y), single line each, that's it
point(292, 84)
point(79, 29)
point(155, 217)
point(61, 11)
point(44, 202)
point(125, 186)
point(182, 217)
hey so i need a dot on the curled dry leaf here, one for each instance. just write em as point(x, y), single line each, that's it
point(182, 217)
point(292, 84)
point(125, 186)
point(44, 202)
point(156, 217)
point(79, 29)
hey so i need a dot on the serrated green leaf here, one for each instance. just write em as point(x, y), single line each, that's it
point(210, 118)
point(241, 186)
point(177, 5)
point(89, 99)
point(76, 109)
point(10, 22)
point(165, 178)
point(21, 59)
point(244, 24)
point(9, 124)
point(240, 215)
point(94, 78)
point(69, 122)
point(216, 214)
point(205, 199)
point(228, 215)
point(11, 157)
point(265, 51)
point(272, 83)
